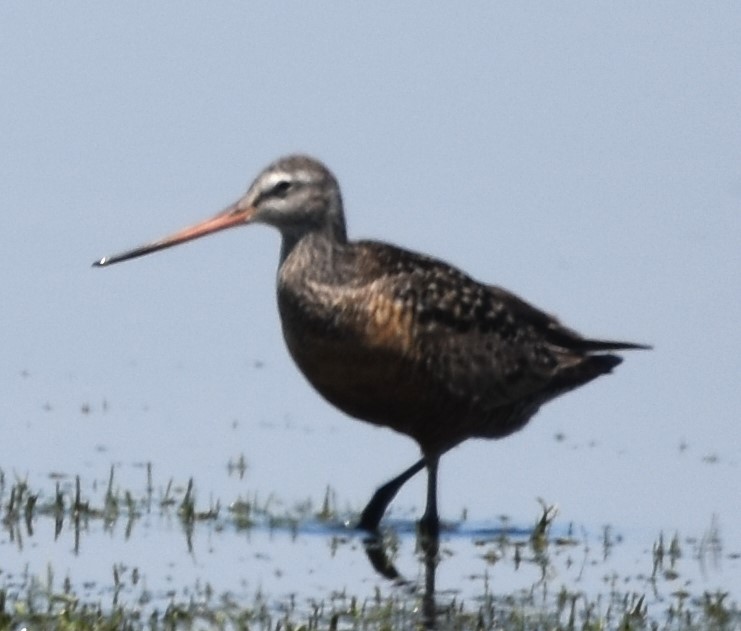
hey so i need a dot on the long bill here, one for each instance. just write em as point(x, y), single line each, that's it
point(236, 215)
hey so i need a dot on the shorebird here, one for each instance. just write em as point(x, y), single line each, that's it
point(401, 339)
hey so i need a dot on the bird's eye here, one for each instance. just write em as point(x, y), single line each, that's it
point(281, 188)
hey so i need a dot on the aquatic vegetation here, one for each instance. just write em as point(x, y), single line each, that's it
point(542, 576)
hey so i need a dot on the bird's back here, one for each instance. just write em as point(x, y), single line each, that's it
point(404, 340)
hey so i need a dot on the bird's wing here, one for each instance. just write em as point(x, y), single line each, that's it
point(475, 340)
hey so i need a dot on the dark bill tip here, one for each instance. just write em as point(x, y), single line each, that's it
point(235, 215)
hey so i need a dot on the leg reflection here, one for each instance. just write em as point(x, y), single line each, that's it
point(428, 546)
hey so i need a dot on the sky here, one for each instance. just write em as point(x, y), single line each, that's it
point(586, 156)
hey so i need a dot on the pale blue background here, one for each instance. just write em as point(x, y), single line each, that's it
point(584, 155)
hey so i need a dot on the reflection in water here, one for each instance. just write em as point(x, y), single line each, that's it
point(251, 554)
point(379, 558)
point(379, 552)
point(429, 547)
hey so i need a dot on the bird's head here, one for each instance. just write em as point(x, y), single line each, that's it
point(296, 194)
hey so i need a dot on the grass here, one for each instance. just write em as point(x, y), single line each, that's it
point(28, 601)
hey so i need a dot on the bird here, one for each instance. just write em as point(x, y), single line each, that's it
point(397, 338)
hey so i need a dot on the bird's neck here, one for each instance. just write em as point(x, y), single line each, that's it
point(311, 256)
point(316, 242)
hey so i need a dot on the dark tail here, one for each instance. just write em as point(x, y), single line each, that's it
point(607, 345)
point(584, 370)
point(584, 366)
point(597, 365)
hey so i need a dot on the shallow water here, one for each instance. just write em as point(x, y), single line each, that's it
point(254, 433)
point(602, 545)
point(131, 546)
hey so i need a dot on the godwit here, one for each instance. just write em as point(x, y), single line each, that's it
point(400, 339)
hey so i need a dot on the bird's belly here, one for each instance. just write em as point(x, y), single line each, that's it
point(390, 390)
point(372, 385)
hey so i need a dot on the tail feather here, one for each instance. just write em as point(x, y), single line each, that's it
point(608, 345)
point(602, 364)
point(556, 333)
point(583, 371)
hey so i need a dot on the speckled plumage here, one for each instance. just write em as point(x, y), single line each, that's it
point(401, 339)
point(414, 344)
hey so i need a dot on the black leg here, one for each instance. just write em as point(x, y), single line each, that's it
point(372, 514)
point(429, 525)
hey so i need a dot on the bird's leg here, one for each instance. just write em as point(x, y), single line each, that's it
point(429, 525)
point(372, 514)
